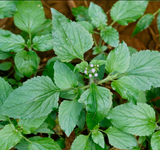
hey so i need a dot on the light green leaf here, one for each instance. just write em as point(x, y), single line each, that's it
point(120, 139)
point(141, 97)
point(70, 39)
point(29, 15)
point(97, 15)
point(22, 145)
point(98, 101)
point(5, 66)
point(98, 62)
point(158, 21)
point(144, 69)
point(88, 26)
point(98, 138)
point(81, 13)
point(27, 62)
point(81, 66)
point(7, 8)
point(34, 99)
point(124, 12)
point(5, 89)
point(99, 49)
point(64, 77)
point(9, 137)
point(4, 55)
point(132, 50)
point(29, 125)
point(126, 87)
point(81, 120)
point(43, 43)
point(43, 144)
point(11, 42)
point(69, 112)
point(118, 59)
point(134, 119)
point(155, 141)
point(143, 23)
point(110, 36)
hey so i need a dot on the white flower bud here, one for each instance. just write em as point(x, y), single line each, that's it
point(85, 71)
point(90, 75)
point(91, 65)
point(96, 74)
point(97, 65)
point(93, 70)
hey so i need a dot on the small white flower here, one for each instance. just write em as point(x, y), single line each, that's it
point(86, 68)
point(96, 74)
point(85, 71)
point(93, 70)
point(97, 65)
point(91, 65)
point(90, 75)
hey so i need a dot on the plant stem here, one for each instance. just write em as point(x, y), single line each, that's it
point(95, 42)
point(112, 23)
point(26, 139)
point(156, 12)
point(96, 32)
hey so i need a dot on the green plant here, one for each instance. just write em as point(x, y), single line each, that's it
point(86, 104)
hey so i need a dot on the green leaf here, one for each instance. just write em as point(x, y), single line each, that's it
point(50, 120)
point(98, 62)
point(120, 139)
point(7, 8)
point(118, 59)
point(70, 39)
point(27, 62)
point(81, 120)
point(110, 36)
point(29, 16)
point(124, 12)
point(43, 43)
point(141, 97)
point(5, 66)
point(81, 66)
point(126, 87)
point(98, 101)
point(98, 138)
point(69, 112)
point(64, 77)
point(143, 23)
point(155, 141)
point(34, 99)
point(97, 15)
point(4, 55)
point(158, 21)
point(9, 137)
point(5, 89)
point(152, 93)
point(11, 42)
point(43, 144)
point(99, 49)
point(44, 128)
point(29, 125)
point(134, 119)
point(145, 72)
point(86, 25)
point(132, 50)
point(22, 145)
point(81, 13)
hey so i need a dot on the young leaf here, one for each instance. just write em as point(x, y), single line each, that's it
point(124, 12)
point(88, 26)
point(81, 13)
point(34, 99)
point(7, 8)
point(11, 42)
point(64, 77)
point(158, 21)
point(118, 59)
point(81, 66)
point(70, 39)
point(29, 16)
point(142, 97)
point(144, 69)
point(69, 112)
point(126, 87)
point(132, 50)
point(134, 119)
point(5, 66)
point(81, 120)
point(29, 125)
point(99, 49)
point(9, 137)
point(97, 15)
point(43, 43)
point(120, 139)
point(98, 101)
point(98, 138)
point(143, 23)
point(43, 144)
point(27, 62)
point(155, 140)
point(110, 36)
point(4, 55)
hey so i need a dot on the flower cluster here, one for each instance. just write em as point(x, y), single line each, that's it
point(91, 70)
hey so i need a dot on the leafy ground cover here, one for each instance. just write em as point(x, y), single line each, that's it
point(80, 78)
